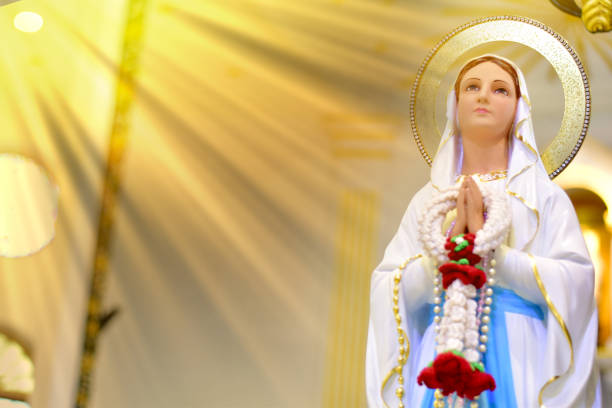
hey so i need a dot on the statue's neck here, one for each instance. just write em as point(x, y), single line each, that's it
point(484, 158)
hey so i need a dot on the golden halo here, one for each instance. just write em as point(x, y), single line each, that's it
point(560, 152)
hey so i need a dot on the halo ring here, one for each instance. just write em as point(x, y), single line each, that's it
point(523, 30)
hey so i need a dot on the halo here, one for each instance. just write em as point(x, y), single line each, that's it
point(563, 148)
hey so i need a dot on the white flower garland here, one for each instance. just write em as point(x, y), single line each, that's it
point(459, 327)
point(491, 235)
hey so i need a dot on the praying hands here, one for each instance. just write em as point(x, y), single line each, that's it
point(470, 208)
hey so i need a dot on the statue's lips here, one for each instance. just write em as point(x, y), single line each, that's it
point(481, 110)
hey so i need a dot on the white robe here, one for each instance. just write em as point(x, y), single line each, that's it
point(539, 350)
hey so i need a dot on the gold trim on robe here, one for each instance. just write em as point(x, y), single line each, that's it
point(559, 319)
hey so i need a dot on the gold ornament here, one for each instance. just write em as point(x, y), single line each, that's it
point(563, 148)
point(597, 15)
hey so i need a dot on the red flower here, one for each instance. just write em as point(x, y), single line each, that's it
point(428, 377)
point(449, 372)
point(465, 253)
point(478, 383)
point(470, 237)
point(466, 250)
point(468, 274)
point(452, 372)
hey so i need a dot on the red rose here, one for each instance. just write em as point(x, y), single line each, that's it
point(450, 275)
point(452, 372)
point(466, 252)
point(428, 377)
point(477, 277)
point(468, 274)
point(478, 383)
point(470, 237)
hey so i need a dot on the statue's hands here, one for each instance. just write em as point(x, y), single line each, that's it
point(474, 207)
point(461, 220)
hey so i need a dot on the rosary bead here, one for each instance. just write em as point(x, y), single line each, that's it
point(437, 319)
point(486, 310)
point(436, 290)
point(484, 329)
point(482, 348)
point(437, 300)
point(436, 309)
point(492, 271)
point(485, 319)
point(483, 338)
point(436, 281)
point(490, 281)
point(493, 262)
point(489, 292)
point(488, 300)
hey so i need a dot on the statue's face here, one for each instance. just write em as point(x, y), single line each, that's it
point(487, 102)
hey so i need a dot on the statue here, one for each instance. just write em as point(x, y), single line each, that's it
point(484, 297)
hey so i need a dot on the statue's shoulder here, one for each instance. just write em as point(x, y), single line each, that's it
point(551, 193)
point(422, 196)
point(426, 191)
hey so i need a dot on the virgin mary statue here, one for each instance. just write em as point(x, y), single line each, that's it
point(484, 296)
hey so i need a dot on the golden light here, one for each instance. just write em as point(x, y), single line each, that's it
point(591, 238)
point(608, 219)
point(28, 22)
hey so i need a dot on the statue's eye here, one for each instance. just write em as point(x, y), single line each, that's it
point(502, 91)
point(471, 88)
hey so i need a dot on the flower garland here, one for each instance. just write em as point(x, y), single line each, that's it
point(461, 331)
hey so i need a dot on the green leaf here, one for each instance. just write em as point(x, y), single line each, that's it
point(462, 245)
point(456, 352)
point(478, 366)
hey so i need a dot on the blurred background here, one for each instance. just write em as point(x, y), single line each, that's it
point(229, 174)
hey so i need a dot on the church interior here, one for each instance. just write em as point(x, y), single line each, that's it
point(194, 193)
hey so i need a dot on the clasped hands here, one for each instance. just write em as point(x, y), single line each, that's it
point(470, 208)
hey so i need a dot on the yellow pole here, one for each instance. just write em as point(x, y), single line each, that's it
point(132, 41)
